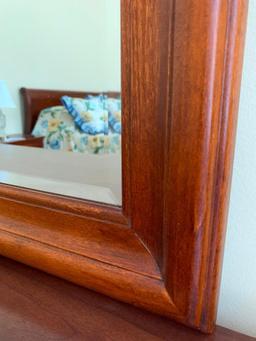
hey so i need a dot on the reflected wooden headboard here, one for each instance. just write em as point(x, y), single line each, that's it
point(35, 100)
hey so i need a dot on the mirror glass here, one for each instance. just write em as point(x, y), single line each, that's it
point(60, 97)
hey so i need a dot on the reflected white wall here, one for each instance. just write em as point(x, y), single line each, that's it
point(59, 44)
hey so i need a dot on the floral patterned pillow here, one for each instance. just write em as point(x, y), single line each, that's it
point(76, 141)
point(61, 133)
point(51, 120)
point(96, 144)
point(89, 114)
point(114, 114)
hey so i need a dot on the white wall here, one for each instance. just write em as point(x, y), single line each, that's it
point(237, 306)
point(59, 44)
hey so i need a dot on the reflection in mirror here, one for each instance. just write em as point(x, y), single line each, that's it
point(60, 95)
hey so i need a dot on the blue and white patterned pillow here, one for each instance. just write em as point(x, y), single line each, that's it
point(113, 106)
point(89, 114)
point(51, 120)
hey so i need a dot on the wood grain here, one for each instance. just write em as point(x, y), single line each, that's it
point(26, 140)
point(36, 306)
point(181, 63)
point(201, 133)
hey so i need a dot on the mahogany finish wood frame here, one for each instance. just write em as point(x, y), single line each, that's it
point(162, 250)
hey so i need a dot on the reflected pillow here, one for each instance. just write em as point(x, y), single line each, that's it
point(77, 141)
point(89, 114)
point(52, 120)
point(114, 114)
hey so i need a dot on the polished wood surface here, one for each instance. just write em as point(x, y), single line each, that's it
point(181, 70)
point(36, 306)
point(35, 100)
point(26, 140)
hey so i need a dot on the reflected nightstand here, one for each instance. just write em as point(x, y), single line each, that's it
point(24, 140)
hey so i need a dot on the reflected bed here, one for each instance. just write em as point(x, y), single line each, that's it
point(45, 115)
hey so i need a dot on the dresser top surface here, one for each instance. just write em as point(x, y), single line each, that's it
point(37, 306)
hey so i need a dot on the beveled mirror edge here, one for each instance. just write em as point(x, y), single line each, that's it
point(134, 275)
point(81, 207)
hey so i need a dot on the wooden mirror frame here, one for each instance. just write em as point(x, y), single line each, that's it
point(161, 251)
